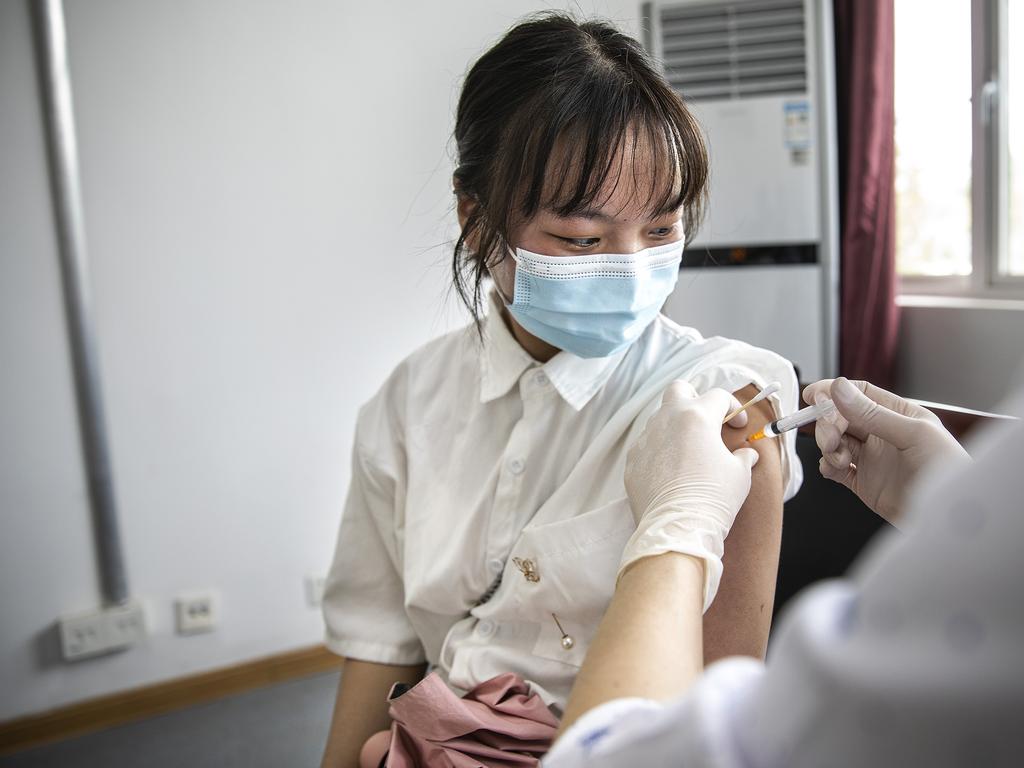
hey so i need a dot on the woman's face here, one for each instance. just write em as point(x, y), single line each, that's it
point(618, 223)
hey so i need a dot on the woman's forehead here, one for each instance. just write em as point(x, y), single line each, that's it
point(636, 180)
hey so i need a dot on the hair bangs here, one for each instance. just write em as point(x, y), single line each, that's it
point(582, 166)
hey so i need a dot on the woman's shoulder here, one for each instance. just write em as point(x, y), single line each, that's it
point(451, 355)
point(438, 370)
point(688, 352)
point(678, 352)
point(729, 364)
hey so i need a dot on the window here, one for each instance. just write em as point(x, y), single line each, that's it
point(1014, 263)
point(960, 147)
point(933, 139)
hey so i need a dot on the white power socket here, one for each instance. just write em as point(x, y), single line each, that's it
point(101, 631)
point(125, 625)
point(315, 590)
point(195, 612)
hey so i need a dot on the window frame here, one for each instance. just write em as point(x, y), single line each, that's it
point(989, 169)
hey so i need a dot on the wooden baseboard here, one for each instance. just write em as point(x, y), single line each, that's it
point(161, 698)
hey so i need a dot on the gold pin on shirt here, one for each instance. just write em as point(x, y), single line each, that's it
point(528, 567)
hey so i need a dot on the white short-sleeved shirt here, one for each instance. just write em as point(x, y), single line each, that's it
point(475, 461)
point(917, 660)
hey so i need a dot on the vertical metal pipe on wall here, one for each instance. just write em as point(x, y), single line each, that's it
point(62, 151)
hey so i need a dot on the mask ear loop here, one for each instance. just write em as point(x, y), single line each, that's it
point(497, 288)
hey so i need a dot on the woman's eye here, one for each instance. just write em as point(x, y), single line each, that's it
point(662, 231)
point(581, 242)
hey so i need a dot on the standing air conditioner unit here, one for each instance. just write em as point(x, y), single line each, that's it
point(758, 75)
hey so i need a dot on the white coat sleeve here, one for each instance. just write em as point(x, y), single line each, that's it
point(363, 603)
point(917, 660)
point(696, 730)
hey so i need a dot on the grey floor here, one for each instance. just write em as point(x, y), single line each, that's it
point(280, 727)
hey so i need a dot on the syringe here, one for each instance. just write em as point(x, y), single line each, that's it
point(796, 420)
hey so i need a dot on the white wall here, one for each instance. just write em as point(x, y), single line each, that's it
point(960, 354)
point(266, 189)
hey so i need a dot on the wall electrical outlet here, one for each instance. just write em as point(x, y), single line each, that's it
point(195, 612)
point(315, 590)
point(81, 636)
point(105, 630)
point(124, 625)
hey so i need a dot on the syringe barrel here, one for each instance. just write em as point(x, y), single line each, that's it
point(801, 417)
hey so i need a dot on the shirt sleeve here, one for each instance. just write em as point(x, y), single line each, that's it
point(363, 604)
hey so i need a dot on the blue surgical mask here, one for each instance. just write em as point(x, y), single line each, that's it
point(593, 305)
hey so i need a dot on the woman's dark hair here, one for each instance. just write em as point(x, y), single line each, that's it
point(569, 95)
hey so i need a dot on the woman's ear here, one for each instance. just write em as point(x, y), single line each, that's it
point(465, 205)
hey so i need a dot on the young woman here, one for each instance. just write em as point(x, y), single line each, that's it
point(487, 515)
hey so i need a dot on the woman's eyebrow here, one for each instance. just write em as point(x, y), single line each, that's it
point(585, 213)
point(599, 215)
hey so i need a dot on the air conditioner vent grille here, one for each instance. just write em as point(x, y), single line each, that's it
point(734, 50)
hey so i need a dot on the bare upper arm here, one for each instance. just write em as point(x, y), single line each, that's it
point(740, 618)
point(361, 707)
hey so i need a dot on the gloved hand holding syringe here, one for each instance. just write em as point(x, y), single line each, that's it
point(870, 429)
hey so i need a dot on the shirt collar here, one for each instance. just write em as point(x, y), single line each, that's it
point(503, 361)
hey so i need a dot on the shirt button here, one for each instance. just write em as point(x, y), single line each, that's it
point(486, 628)
point(541, 378)
point(516, 466)
point(496, 565)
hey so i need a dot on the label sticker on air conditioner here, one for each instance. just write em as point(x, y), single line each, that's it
point(798, 131)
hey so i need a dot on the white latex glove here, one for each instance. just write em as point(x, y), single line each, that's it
point(877, 442)
point(684, 486)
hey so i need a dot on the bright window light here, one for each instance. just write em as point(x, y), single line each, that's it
point(1015, 96)
point(933, 137)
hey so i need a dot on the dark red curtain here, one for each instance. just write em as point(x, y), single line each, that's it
point(865, 85)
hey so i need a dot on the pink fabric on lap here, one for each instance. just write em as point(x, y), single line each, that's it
point(498, 724)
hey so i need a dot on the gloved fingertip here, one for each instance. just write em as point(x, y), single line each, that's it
point(839, 459)
point(810, 393)
point(843, 392)
point(748, 456)
point(679, 390)
point(827, 470)
point(739, 420)
point(827, 436)
point(822, 397)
